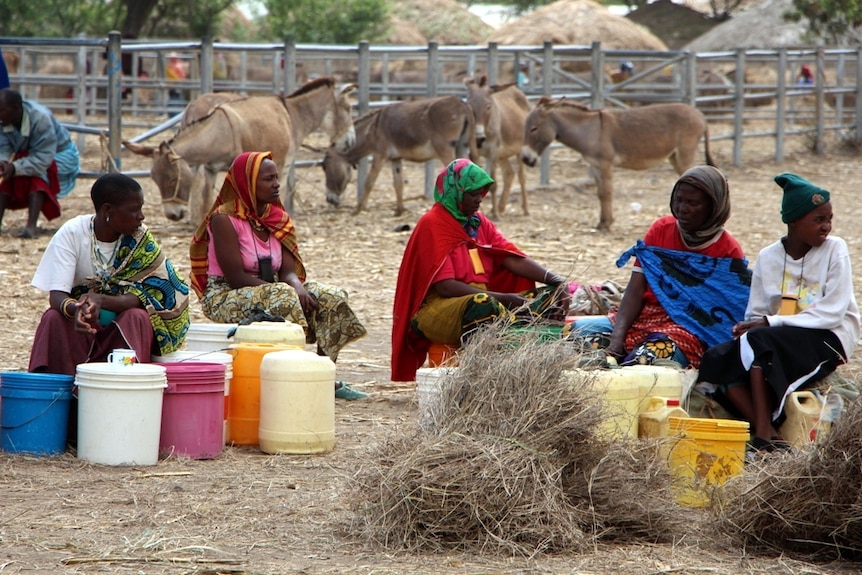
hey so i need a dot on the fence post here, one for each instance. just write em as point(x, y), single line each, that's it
point(81, 93)
point(821, 100)
point(206, 64)
point(364, 69)
point(858, 122)
point(597, 76)
point(690, 79)
point(432, 82)
point(115, 89)
point(780, 104)
point(289, 65)
point(738, 106)
point(493, 63)
point(547, 90)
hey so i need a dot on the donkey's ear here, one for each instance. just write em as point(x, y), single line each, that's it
point(139, 149)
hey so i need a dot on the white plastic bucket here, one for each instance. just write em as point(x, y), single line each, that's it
point(209, 336)
point(206, 357)
point(120, 412)
point(428, 391)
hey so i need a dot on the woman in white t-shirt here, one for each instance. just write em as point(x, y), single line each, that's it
point(110, 286)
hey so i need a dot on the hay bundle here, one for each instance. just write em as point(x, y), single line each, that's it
point(809, 504)
point(579, 22)
point(515, 464)
point(404, 33)
point(444, 21)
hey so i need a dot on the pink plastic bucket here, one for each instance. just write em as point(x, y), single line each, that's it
point(193, 410)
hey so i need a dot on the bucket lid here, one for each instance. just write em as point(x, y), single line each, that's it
point(194, 356)
point(221, 329)
point(193, 368)
point(134, 371)
point(37, 379)
point(286, 332)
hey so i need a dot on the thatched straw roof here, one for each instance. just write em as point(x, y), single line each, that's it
point(579, 22)
point(444, 21)
point(404, 33)
point(759, 27)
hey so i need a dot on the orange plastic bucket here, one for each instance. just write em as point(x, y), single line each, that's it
point(244, 398)
point(440, 353)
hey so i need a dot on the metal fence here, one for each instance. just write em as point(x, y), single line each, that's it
point(100, 80)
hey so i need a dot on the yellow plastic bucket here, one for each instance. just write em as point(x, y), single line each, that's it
point(703, 454)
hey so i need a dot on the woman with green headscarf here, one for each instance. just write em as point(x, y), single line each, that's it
point(459, 273)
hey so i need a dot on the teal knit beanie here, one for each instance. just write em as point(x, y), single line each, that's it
point(800, 196)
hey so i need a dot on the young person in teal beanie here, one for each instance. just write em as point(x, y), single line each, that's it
point(801, 322)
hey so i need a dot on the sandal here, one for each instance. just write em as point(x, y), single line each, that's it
point(344, 391)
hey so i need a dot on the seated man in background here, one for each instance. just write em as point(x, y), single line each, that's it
point(38, 160)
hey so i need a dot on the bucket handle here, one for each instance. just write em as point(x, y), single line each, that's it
point(56, 397)
point(203, 353)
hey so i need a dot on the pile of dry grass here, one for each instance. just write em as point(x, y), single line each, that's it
point(578, 22)
point(808, 504)
point(515, 464)
point(444, 21)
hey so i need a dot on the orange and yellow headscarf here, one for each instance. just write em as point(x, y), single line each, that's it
point(238, 198)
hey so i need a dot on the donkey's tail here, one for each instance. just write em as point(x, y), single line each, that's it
point(709, 160)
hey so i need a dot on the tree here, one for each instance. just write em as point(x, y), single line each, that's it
point(835, 20)
point(331, 22)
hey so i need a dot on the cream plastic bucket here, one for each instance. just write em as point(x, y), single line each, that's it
point(297, 402)
point(620, 391)
point(428, 391)
point(209, 336)
point(802, 423)
point(656, 381)
point(206, 357)
point(120, 412)
point(280, 333)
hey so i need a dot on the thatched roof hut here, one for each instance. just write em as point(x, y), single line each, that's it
point(759, 27)
point(579, 22)
point(444, 21)
point(676, 24)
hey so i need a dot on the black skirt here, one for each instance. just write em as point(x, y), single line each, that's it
point(789, 356)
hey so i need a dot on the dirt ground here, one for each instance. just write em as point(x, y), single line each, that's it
point(248, 512)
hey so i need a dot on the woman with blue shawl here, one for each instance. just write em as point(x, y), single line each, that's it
point(689, 283)
point(110, 286)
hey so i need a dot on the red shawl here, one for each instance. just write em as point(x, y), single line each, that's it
point(436, 234)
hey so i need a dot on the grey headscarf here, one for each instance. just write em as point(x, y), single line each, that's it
point(711, 182)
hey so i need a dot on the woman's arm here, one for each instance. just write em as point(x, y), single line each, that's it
point(525, 267)
point(287, 274)
point(630, 308)
point(227, 252)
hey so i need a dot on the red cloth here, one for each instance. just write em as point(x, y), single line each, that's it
point(436, 234)
point(58, 348)
point(19, 187)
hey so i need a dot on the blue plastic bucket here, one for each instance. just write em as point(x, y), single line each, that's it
point(34, 412)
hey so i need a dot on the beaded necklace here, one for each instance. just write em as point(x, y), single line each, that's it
point(103, 266)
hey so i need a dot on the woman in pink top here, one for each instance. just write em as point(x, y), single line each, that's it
point(245, 255)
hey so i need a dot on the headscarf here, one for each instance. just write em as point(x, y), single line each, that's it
point(238, 198)
point(711, 182)
point(800, 196)
point(461, 175)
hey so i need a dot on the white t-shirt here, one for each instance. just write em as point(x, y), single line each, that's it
point(68, 259)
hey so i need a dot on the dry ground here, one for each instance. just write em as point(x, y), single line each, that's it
point(247, 512)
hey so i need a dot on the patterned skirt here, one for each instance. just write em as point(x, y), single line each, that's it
point(332, 326)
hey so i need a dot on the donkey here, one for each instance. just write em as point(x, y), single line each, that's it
point(274, 123)
point(415, 131)
point(633, 138)
point(500, 113)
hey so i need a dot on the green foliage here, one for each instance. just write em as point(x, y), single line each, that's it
point(56, 18)
point(831, 19)
point(330, 22)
